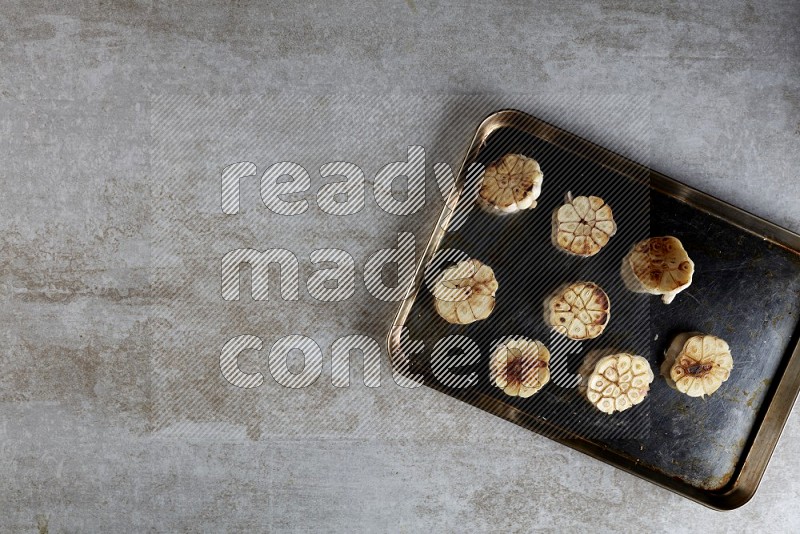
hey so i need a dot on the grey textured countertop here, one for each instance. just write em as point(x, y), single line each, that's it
point(86, 444)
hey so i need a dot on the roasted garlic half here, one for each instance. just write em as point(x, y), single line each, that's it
point(520, 367)
point(511, 184)
point(618, 382)
point(697, 364)
point(658, 266)
point(583, 225)
point(579, 311)
point(464, 293)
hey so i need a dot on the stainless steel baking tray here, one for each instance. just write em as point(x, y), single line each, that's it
point(746, 290)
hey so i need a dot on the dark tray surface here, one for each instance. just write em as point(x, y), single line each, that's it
point(745, 290)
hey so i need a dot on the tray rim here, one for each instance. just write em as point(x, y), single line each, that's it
point(785, 384)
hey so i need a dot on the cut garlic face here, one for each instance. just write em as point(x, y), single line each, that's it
point(583, 225)
point(511, 184)
point(697, 364)
point(464, 293)
point(618, 382)
point(579, 311)
point(520, 367)
point(658, 266)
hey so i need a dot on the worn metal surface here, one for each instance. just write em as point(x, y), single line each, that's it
point(746, 289)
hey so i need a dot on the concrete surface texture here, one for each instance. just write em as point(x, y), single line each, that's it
point(103, 432)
